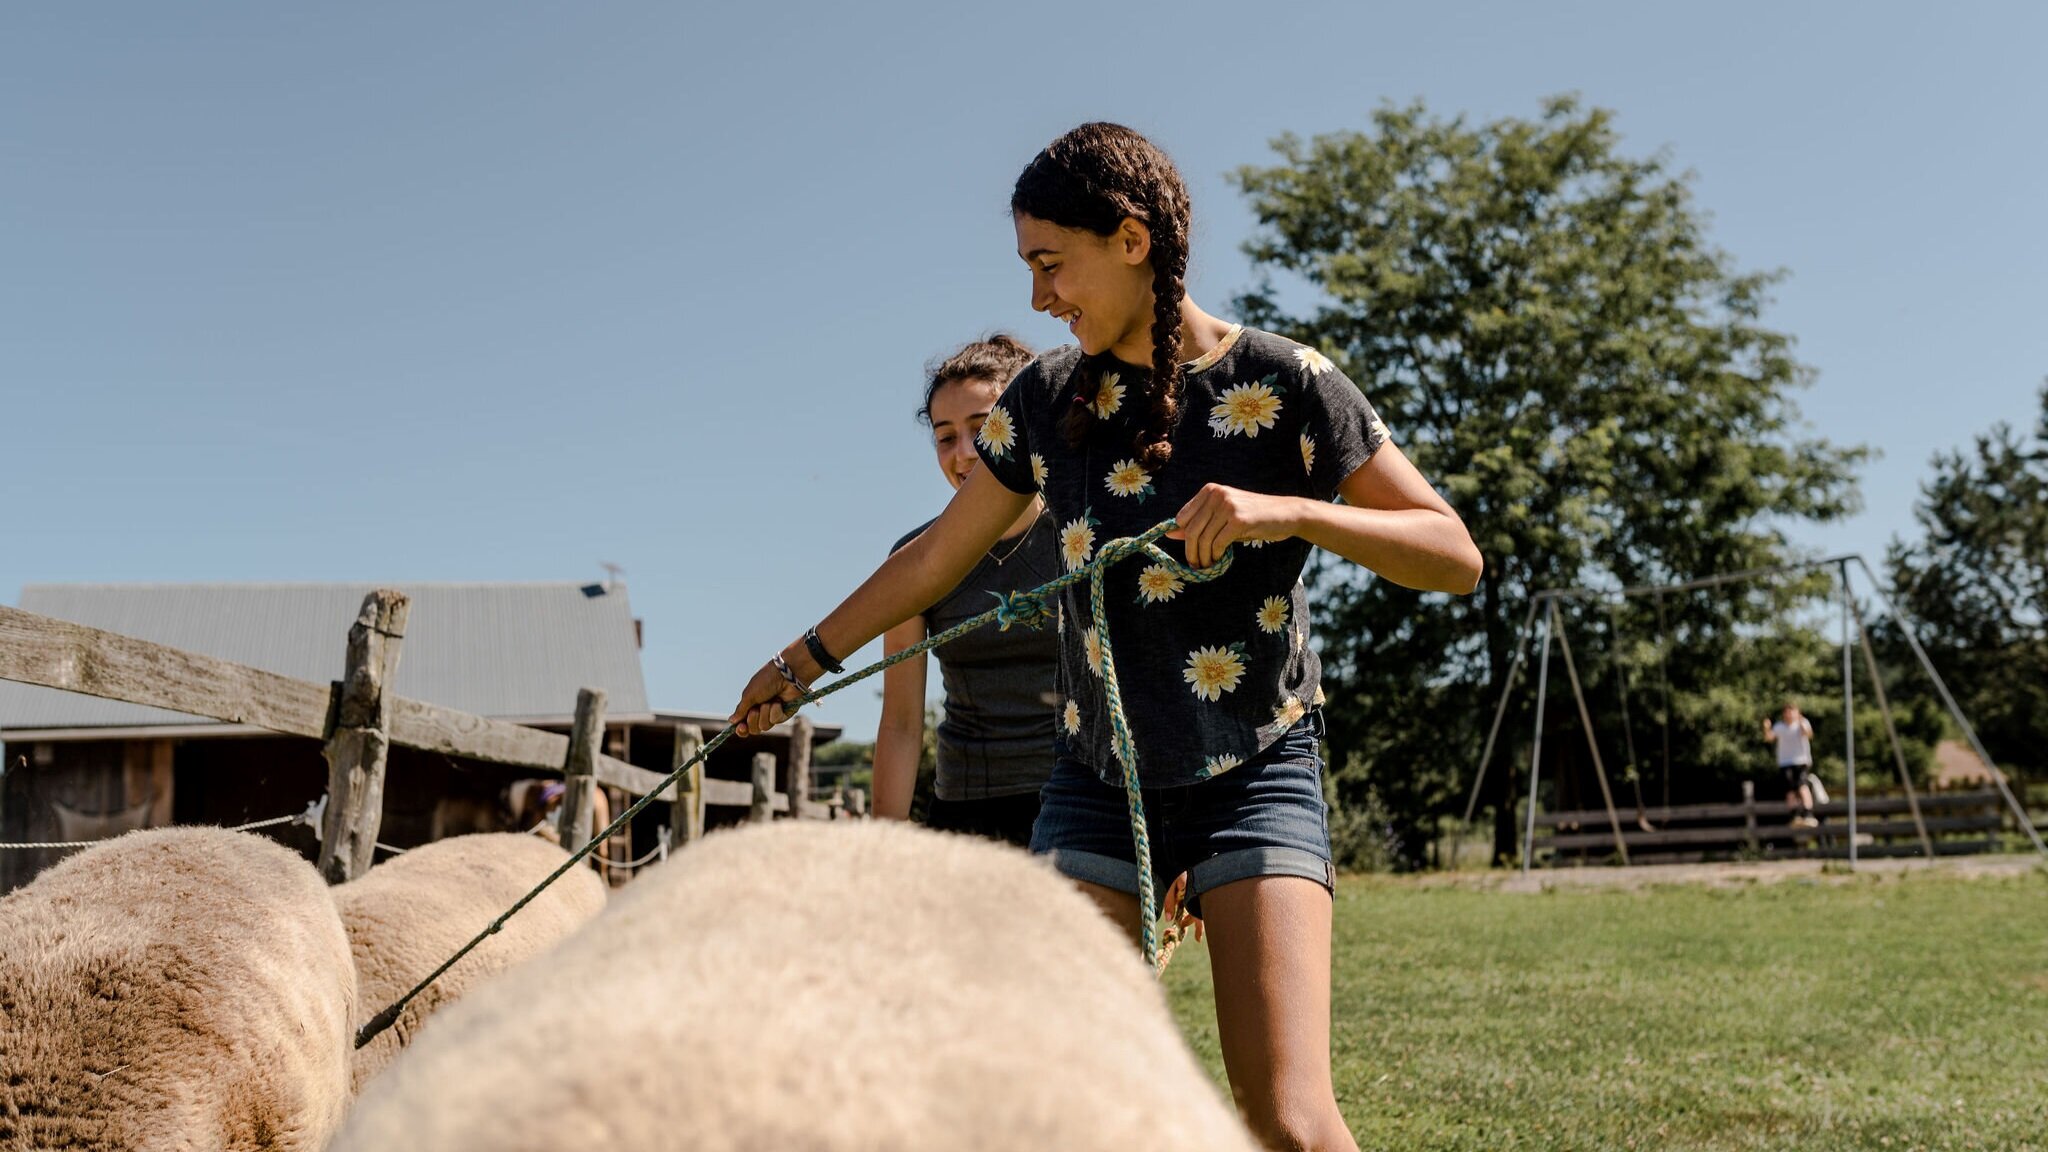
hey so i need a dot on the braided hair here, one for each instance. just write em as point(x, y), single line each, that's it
point(1093, 178)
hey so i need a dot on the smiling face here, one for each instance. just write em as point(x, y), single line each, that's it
point(957, 410)
point(1100, 287)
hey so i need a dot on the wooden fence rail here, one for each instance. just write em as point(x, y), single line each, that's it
point(59, 654)
point(1939, 824)
point(71, 657)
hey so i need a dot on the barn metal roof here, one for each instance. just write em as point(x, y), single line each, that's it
point(511, 651)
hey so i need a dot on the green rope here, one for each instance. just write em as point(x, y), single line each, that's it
point(1028, 609)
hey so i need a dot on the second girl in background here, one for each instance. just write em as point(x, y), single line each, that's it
point(994, 744)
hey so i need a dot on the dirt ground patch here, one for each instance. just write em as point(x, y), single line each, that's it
point(1728, 875)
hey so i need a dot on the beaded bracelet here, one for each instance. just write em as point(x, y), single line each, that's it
point(789, 674)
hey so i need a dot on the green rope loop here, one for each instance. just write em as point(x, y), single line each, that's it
point(1028, 609)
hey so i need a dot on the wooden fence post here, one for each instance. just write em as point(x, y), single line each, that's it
point(800, 733)
point(361, 741)
point(580, 770)
point(686, 821)
point(1749, 814)
point(763, 809)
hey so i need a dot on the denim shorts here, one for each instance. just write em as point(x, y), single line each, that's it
point(1265, 817)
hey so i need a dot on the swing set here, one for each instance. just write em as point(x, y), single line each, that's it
point(1544, 617)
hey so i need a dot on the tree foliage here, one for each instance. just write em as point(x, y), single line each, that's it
point(1545, 326)
point(1976, 586)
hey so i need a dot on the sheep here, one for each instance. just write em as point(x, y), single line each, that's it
point(406, 916)
point(994, 1007)
point(174, 988)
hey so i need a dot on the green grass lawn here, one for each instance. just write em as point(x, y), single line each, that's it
point(1850, 1012)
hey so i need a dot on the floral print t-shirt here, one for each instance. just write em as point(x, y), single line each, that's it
point(1211, 674)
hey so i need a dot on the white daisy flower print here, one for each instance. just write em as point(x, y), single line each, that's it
point(1038, 472)
point(1312, 362)
point(1213, 671)
point(1073, 718)
point(1244, 409)
point(1126, 478)
point(1289, 713)
point(1157, 584)
point(1273, 615)
point(1077, 540)
point(1308, 454)
point(1109, 396)
point(1219, 764)
point(1295, 639)
point(1091, 641)
point(1320, 699)
point(997, 434)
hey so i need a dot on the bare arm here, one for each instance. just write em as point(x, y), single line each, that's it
point(1391, 521)
point(1770, 733)
point(907, 583)
point(900, 739)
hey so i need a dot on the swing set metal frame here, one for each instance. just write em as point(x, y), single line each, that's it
point(1543, 615)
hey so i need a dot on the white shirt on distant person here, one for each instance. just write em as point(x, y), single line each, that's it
point(1794, 741)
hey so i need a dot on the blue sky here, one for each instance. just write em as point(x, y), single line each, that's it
point(497, 292)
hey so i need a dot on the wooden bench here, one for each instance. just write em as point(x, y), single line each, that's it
point(1958, 823)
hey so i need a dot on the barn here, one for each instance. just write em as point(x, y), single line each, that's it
point(76, 767)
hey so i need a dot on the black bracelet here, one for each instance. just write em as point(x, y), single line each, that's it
point(818, 653)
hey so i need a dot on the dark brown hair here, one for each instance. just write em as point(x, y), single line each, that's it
point(997, 357)
point(1092, 178)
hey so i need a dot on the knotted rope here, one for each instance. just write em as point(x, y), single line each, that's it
point(1027, 609)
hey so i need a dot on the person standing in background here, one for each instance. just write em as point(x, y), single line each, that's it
point(995, 742)
point(1792, 735)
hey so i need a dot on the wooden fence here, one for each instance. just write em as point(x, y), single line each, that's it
point(359, 720)
point(1930, 824)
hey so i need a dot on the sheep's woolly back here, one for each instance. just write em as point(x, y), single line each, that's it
point(406, 916)
point(179, 988)
point(815, 986)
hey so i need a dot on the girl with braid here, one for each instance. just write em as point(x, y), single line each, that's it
point(1254, 444)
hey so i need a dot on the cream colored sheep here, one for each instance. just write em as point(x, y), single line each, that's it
point(992, 1006)
point(177, 988)
point(406, 916)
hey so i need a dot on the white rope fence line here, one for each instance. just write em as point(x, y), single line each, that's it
point(659, 850)
point(310, 817)
point(249, 827)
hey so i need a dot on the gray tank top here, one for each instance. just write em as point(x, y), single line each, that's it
point(996, 738)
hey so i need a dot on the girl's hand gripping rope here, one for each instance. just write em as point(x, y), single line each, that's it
point(771, 695)
point(1219, 516)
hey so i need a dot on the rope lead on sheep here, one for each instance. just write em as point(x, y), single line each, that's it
point(1025, 608)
